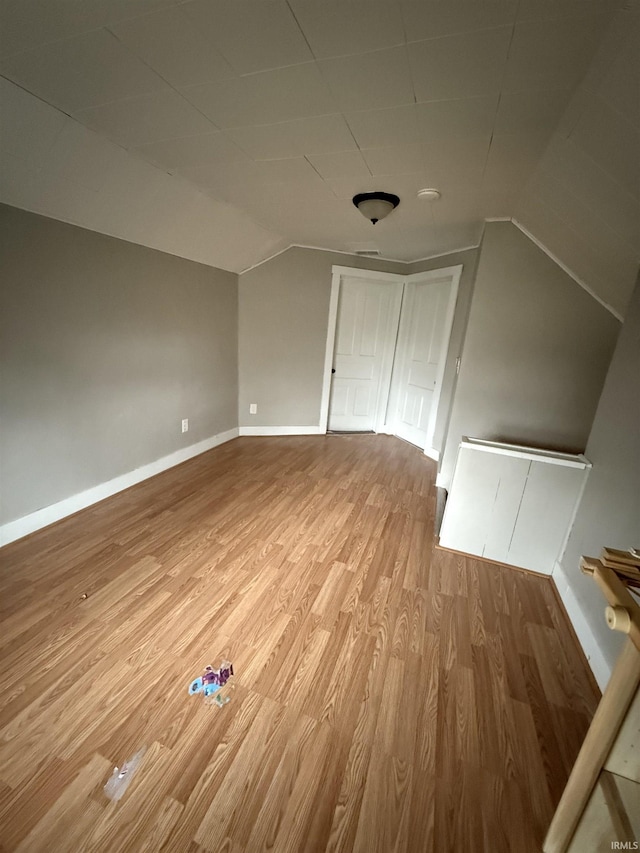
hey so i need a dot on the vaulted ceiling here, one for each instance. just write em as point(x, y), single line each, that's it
point(284, 110)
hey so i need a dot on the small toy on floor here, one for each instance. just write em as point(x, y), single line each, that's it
point(212, 681)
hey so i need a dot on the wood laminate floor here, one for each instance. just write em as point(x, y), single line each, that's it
point(390, 696)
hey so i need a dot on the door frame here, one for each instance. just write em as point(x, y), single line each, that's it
point(382, 423)
point(455, 273)
point(337, 274)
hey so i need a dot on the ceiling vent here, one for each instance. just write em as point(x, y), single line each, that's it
point(367, 249)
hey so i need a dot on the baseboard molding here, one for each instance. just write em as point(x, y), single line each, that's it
point(48, 515)
point(599, 666)
point(441, 481)
point(513, 568)
point(432, 453)
point(282, 430)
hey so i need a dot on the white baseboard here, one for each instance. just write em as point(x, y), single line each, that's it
point(440, 480)
point(43, 517)
point(282, 430)
point(432, 453)
point(597, 661)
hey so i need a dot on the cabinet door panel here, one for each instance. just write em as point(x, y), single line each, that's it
point(468, 509)
point(545, 514)
point(483, 505)
point(512, 477)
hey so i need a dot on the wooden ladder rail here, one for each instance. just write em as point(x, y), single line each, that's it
point(623, 614)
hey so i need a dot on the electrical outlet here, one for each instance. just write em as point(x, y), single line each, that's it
point(253, 408)
point(185, 425)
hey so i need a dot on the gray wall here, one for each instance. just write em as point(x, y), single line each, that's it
point(284, 312)
point(536, 352)
point(609, 512)
point(105, 347)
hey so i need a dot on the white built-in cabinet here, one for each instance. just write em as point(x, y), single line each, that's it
point(512, 504)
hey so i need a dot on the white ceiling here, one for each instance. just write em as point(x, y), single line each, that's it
point(285, 110)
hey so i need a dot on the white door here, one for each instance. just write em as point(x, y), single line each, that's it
point(367, 320)
point(423, 338)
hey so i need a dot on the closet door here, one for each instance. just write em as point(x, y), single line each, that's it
point(387, 344)
point(365, 338)
point(423, 338)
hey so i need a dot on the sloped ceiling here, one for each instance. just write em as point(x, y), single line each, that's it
point(270, 115)
point(583, 199)
point(51, 164)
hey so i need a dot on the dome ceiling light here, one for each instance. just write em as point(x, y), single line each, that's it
point(375, 206)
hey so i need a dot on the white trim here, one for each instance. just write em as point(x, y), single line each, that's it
point(568, 271)
point(442, 255)
point(349, 254)
point(432, 453)
point(48, 515)
point(455, 273)
point(518, 451)
point(377, 275)
point(435, 274)
point(264, 260)
point(365, 257)
point(282, 430)
point(581, 624)
point(511, 219)
point(440, 480)
point(322, 249)
point(576, 507)
point(328, 352)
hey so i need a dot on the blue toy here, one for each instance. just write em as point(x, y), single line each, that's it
point(212, 679)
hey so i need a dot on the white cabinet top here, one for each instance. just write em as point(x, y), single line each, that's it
point(570, 460)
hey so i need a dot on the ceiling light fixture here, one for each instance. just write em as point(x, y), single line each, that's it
point(375, 206)
point(429, 194)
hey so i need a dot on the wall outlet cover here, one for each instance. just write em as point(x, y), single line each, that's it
point(185, 425)
point(253, 408)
